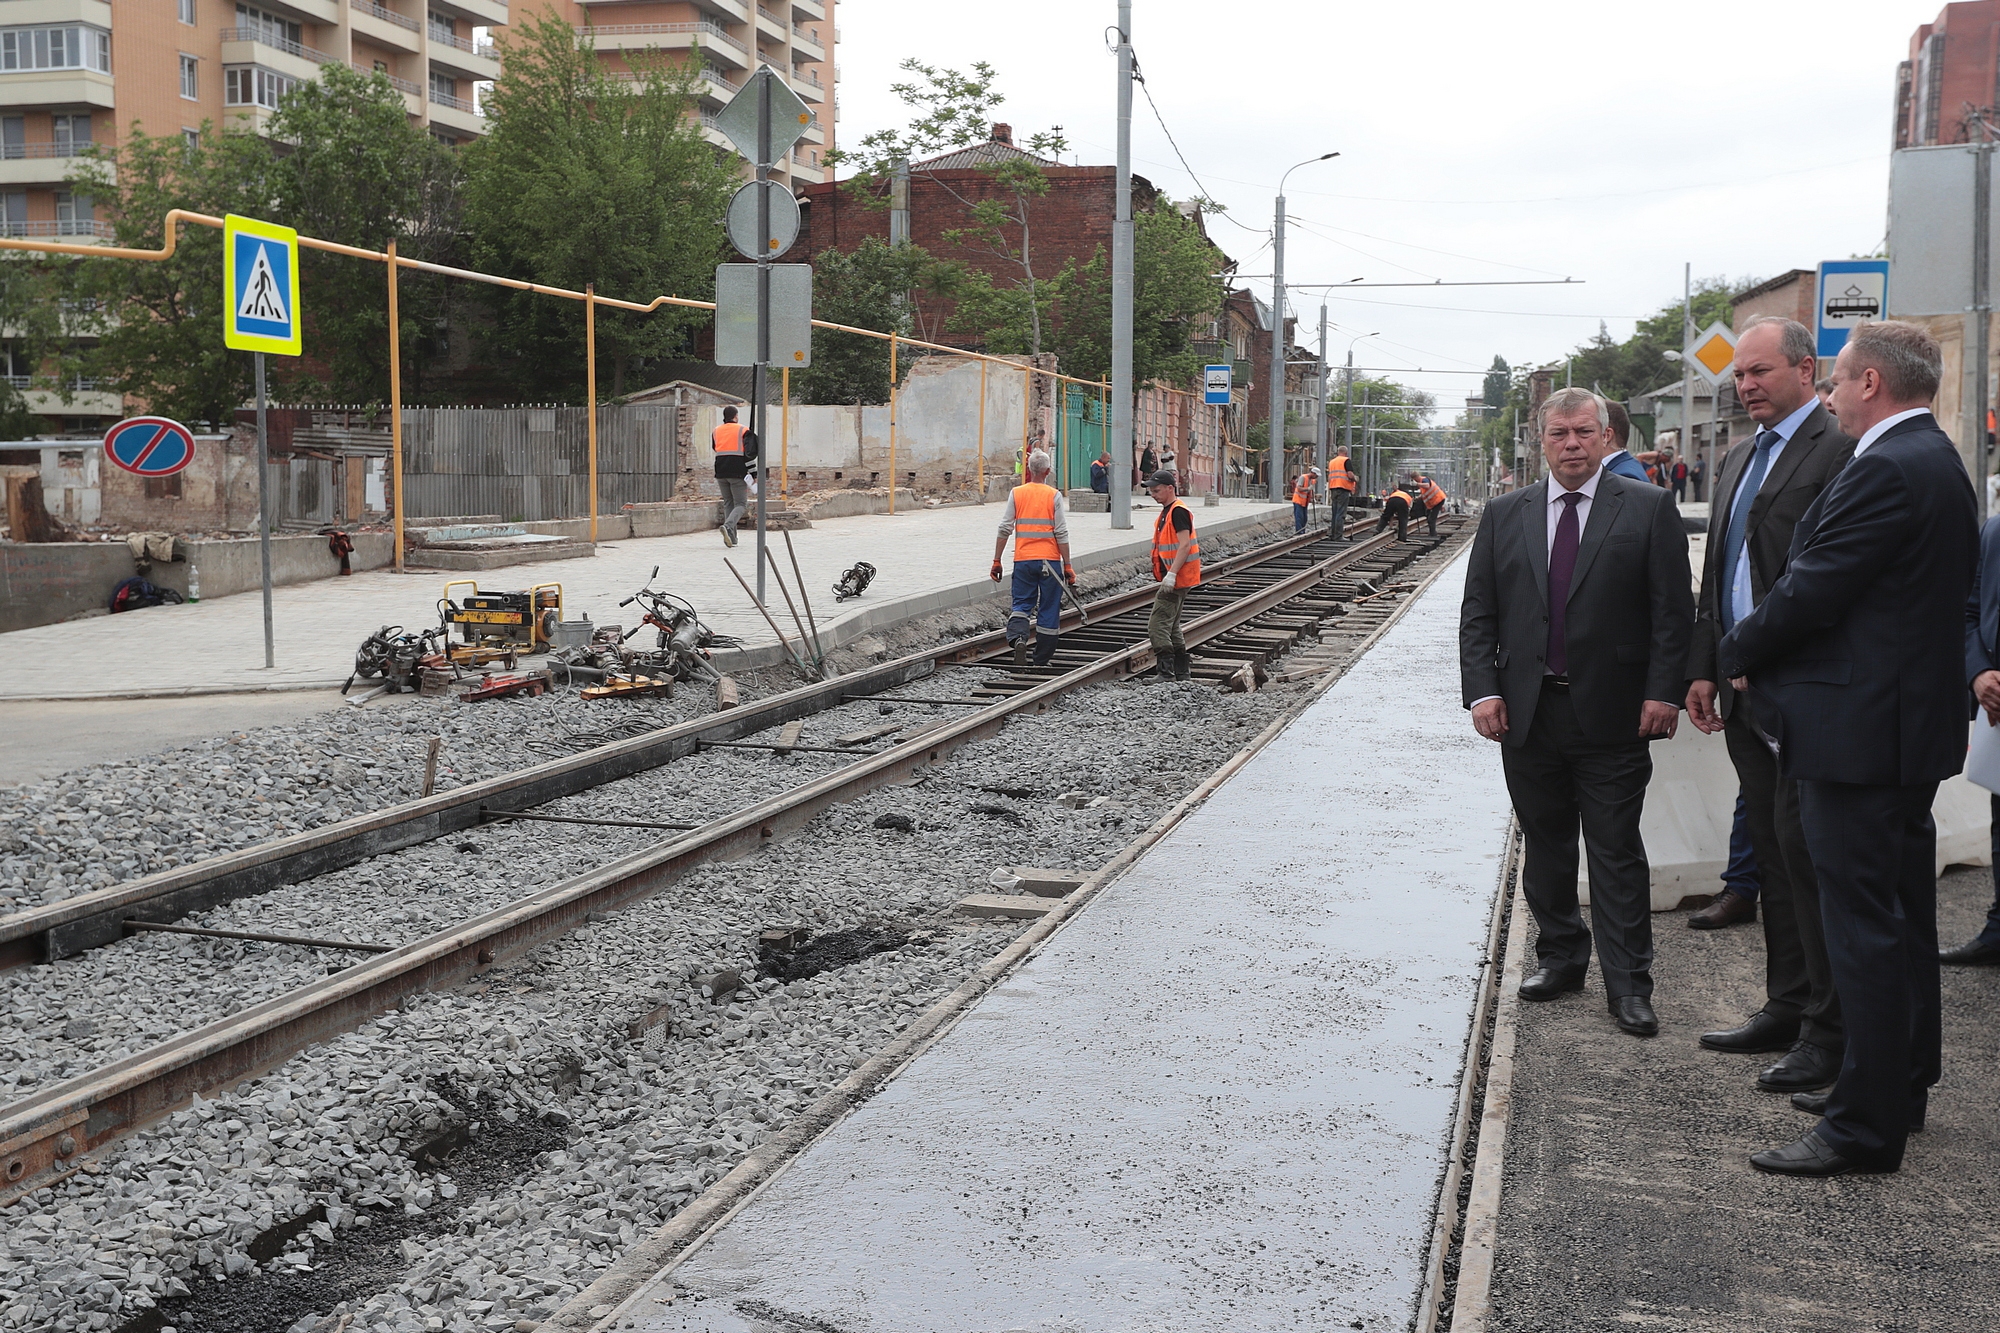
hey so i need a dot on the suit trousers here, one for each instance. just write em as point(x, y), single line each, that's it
point(1875, 849)
point(1798, 981)
point(1561, 782)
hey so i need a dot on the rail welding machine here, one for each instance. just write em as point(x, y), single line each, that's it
point(497, 625)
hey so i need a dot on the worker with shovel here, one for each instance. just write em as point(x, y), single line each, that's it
point(1038, 521)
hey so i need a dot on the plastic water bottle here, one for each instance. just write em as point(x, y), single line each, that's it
point(194, 584)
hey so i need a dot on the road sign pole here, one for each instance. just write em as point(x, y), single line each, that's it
point(1982, 306)
point(764, 156)
point(1121, 289)
point(264, 511)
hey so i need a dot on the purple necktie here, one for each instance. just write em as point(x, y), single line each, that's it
point(1562, 564)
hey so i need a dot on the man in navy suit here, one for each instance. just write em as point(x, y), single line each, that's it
point(1982, 673)
point(1854, 662)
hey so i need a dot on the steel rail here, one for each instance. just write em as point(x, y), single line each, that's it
point(44, 1137)
point(46, 933)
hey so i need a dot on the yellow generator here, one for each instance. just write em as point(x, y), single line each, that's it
point(495, 626)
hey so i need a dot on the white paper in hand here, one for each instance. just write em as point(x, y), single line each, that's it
point(1982, 759)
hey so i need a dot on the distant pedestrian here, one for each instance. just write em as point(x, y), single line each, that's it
point(1698, 477)
point(1617, 459)
point(1396, 509)
point(1177, 568)
point(1340, 483)
point(1149, 462)
point(735, 451)
point(1303, 491)
point(1680, 475)
point(1100, 475)
point(1037, 520)
point(1430, 502)
point(1824, 388)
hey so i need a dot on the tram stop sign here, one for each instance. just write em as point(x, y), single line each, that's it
point(260, 287)
point(1216, 384)
point(149, 446)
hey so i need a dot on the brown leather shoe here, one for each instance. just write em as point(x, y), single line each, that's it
point(1730, 908)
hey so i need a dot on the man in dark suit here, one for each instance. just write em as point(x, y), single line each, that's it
point(1856, 658)
point(1766, 486)
point(1982, 673)
point(1573, 640)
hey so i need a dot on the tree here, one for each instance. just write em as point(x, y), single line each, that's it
point(1496, 383)
point(38, 323)
point(588, 177)
point(361, 173)
point(159, 325)
point(863, 289)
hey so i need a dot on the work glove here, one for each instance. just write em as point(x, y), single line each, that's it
point(1069, 573)
point(994, 573)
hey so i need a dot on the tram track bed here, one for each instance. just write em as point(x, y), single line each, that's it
point(597, 1038)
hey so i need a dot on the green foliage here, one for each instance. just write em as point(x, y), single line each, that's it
point(159, 325)
point(952, 111)
point(36, 318)
point(1496, 383)
point(360, 173)
point(866, 290)
point(583, 178)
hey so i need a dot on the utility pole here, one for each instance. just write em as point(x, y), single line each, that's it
point(1275, 454)
point(1982, 301)
point(1319, 423)
point(1121, 288)
point(1687, 374)
point(1347, 417)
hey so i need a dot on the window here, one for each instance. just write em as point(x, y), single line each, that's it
point(72, 133)
point(192, 139)
point(164, 488)
point(187, 12)
point(191, 78)
point(55, 48)
point(73, 214)
point(268, 28)
point(381, 67)
point(252, 85)
point(14, 212)
point(13, 138)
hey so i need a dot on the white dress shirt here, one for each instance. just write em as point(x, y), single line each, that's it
point(1740, 603)
point(1876, 431)
point(1554, 508)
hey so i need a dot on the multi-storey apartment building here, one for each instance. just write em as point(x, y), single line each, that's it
point(731, 38)
point(1953, 67)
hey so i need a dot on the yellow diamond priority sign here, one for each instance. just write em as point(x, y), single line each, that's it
point(1711, 353)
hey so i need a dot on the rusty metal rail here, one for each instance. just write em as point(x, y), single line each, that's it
point(45, 1136)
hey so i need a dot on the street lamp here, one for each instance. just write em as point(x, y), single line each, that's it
point(1348, 415)
point(1276, 452)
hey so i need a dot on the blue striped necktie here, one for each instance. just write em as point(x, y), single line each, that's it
point(1739, 522)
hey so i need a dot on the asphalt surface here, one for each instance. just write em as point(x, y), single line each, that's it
point(1629, 1200)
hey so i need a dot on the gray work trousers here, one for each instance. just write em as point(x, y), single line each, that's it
point(735, 500)
point(1336, 501)
point(1164, 626)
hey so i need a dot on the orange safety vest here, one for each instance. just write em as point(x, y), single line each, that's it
point(1433, 494)
point(1165, 542)
point(1404, 495)
point(1338, 478)
point(1302, 492)
point(728, 438)
point(1035, 523)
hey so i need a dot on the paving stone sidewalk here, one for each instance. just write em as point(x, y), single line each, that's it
point(925, 560)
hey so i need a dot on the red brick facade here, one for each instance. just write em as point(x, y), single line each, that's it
point(1953, 64)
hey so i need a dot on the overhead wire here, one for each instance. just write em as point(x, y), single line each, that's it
point(1207, 194)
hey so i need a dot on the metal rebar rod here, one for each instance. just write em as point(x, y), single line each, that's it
point(783, 642)
point(906, 699)
point(804, 644)
point(486, 815)
point(818, 649)
point(788, 749)
point(300, 940)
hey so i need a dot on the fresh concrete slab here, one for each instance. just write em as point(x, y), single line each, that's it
point(1220, 1098)
point(1011, 906)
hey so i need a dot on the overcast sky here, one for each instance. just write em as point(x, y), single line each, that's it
point(1605, 142)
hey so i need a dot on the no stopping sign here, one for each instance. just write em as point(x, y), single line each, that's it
point(149, 446)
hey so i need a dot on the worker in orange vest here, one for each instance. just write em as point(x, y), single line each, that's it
point(735, 451)
point(1396, 506)
point(1038, 521)
point(1431, 500)
point(1340, 481)
point(1177, 568)
point(1302, 498)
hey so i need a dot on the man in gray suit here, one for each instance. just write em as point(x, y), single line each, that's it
point(1573, 643)
point(1765, 487)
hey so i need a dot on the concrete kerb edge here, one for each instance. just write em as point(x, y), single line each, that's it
point(837, 635)
point(683, 1235)
point(1472, 1305)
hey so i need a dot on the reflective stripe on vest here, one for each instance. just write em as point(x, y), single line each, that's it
point(1165, 541)
point(1433, 495)
point(1035, 522)
point(728, 438)
point(1302, 493)
point(1404, 496)
point(1338, 478)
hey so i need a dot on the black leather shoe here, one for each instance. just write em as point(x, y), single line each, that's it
point(1760, 1032)
point(1814, 1103)
point(1810, 1156)
point(1974, 954)
point(1546, 983)
point(1634, 1014)
point(1728, 909)
point(1804, 1068)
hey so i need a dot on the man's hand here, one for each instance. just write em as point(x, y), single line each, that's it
point(1489, 718)
point(1701, 707)
point(994, 573)
point(1658, 719)
point(1986, 689)
point(1069, 574)
point(1741, 684)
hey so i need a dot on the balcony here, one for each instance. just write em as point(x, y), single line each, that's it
point(770, 27)
point(413, 93)
point(475, 60)
point(460, 114)
point(807, 85)
point(325, 13)
point(61, 229)
point(39, 13)
point(812, 9)
point(480, 13)
point(261, 46)
point(705, 35)
point(43, 163)
point(66, 88)
point(384, 26)
point(730, 11)
point(806, 44)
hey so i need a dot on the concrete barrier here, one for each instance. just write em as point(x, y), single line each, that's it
point(671, 518)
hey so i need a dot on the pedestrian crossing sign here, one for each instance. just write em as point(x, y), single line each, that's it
point(260, 287)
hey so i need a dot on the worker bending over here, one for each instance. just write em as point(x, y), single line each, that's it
point(1302, 498)
point(1177, 567)
point(1038, 521)
point(1431, 500)
point(1396, 506)
point(1340, 481)
point(735, 451)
